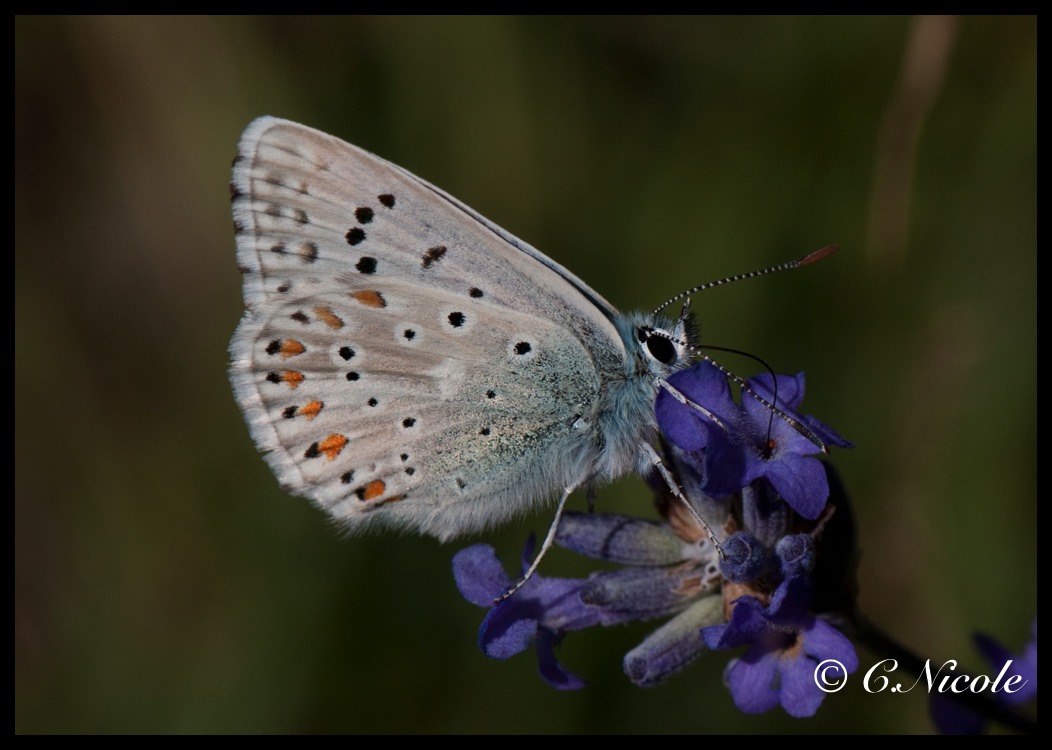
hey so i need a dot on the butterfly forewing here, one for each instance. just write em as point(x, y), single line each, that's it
point(401, 358)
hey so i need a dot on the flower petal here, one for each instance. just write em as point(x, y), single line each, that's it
point(504, 632)
point(753, 681)
point(479, 575)
point(823, 641)
point(550, 668)
point(686, 426)
point(799, 695)
point(802, 483)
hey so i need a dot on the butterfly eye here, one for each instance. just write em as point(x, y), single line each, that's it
point(661, 349)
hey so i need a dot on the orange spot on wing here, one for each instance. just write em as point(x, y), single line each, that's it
point(291, 347)
point(373, 490)
point(332, 445)
point(329, 318)
point(370, 298)
point(292, 378)
point(311, 409)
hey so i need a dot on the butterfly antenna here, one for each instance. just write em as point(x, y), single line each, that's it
point(807, 260)
point(792, 421)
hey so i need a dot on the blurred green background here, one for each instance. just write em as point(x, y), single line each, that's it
point(165, 583)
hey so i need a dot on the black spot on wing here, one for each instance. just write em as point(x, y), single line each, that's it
point(432, 256)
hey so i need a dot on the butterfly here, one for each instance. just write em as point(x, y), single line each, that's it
point(403, 361)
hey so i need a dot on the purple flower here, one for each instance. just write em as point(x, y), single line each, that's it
point(953, 717)
point(760, 465)
point(1024, 665)
point(664, 577)
point(731, 445)
point(539, 613)
point(785, 646)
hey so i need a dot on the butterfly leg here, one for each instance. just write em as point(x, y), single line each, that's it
point(796, 424)
point(673, 486)
point(672, 391)
point(548, 541)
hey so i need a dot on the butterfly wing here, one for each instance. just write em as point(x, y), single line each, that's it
point(402, 359)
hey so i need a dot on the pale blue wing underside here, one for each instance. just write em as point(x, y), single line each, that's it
point(403, 359)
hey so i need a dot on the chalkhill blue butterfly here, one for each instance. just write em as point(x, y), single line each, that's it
point(403, 361)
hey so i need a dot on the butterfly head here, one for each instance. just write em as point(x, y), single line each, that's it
point(664, 345)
